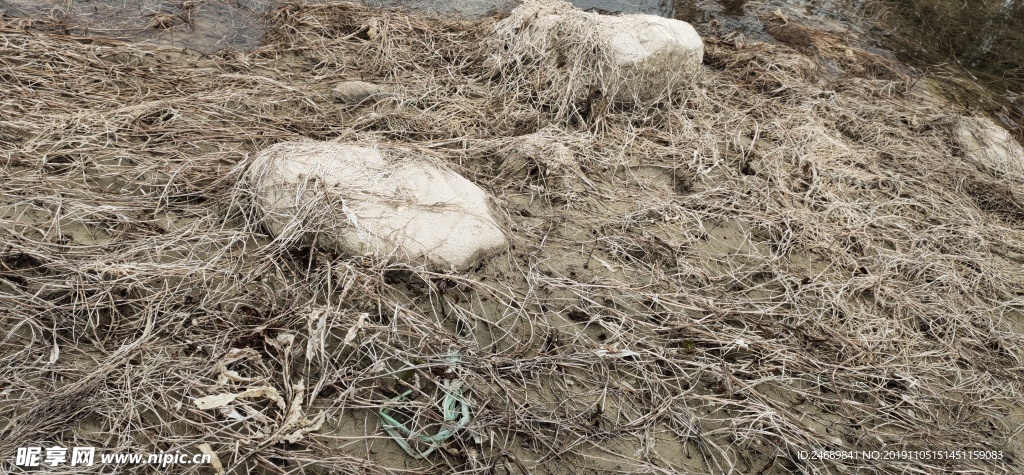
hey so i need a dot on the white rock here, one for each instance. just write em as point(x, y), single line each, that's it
point(648, 55)
point(357, 91)
point(386, 201)
point(631, 57)
point(990, 146)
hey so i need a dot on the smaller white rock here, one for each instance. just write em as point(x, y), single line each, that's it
point(387, 201)
point(648, 55)
point(990, 146)
point(354, 92)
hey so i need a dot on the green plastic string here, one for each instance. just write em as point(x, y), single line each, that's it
point(456, 416)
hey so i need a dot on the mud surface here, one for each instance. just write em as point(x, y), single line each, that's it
point(211, 25)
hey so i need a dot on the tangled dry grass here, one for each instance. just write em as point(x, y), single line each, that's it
point(781, 261)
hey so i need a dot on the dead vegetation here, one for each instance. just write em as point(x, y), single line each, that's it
point(780, 261)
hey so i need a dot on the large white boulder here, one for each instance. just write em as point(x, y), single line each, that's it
point(387, 201)
point(990, 146)
point(564, 50)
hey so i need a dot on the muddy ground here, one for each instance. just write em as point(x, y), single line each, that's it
point(795, 255)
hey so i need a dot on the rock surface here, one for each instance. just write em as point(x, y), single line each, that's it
point(632, 57)
point(648, 55)
point(386, 201)
point(990, 146)
point(355, 92)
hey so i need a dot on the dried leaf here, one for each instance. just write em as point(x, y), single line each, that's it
point(354, 331)
point(214, 460)
point(54, 353)
point(215, 401)
point(221, 400)
point(309, 426)
point(317, 330)
point(612, 352)
point(232, 376)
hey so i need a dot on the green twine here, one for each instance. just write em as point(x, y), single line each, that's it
point(453, 406)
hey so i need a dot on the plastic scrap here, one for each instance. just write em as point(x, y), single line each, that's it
point(456, 416)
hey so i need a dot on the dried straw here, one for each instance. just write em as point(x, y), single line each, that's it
point(777, 263)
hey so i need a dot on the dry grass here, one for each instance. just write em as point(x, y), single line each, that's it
point(776, 263)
